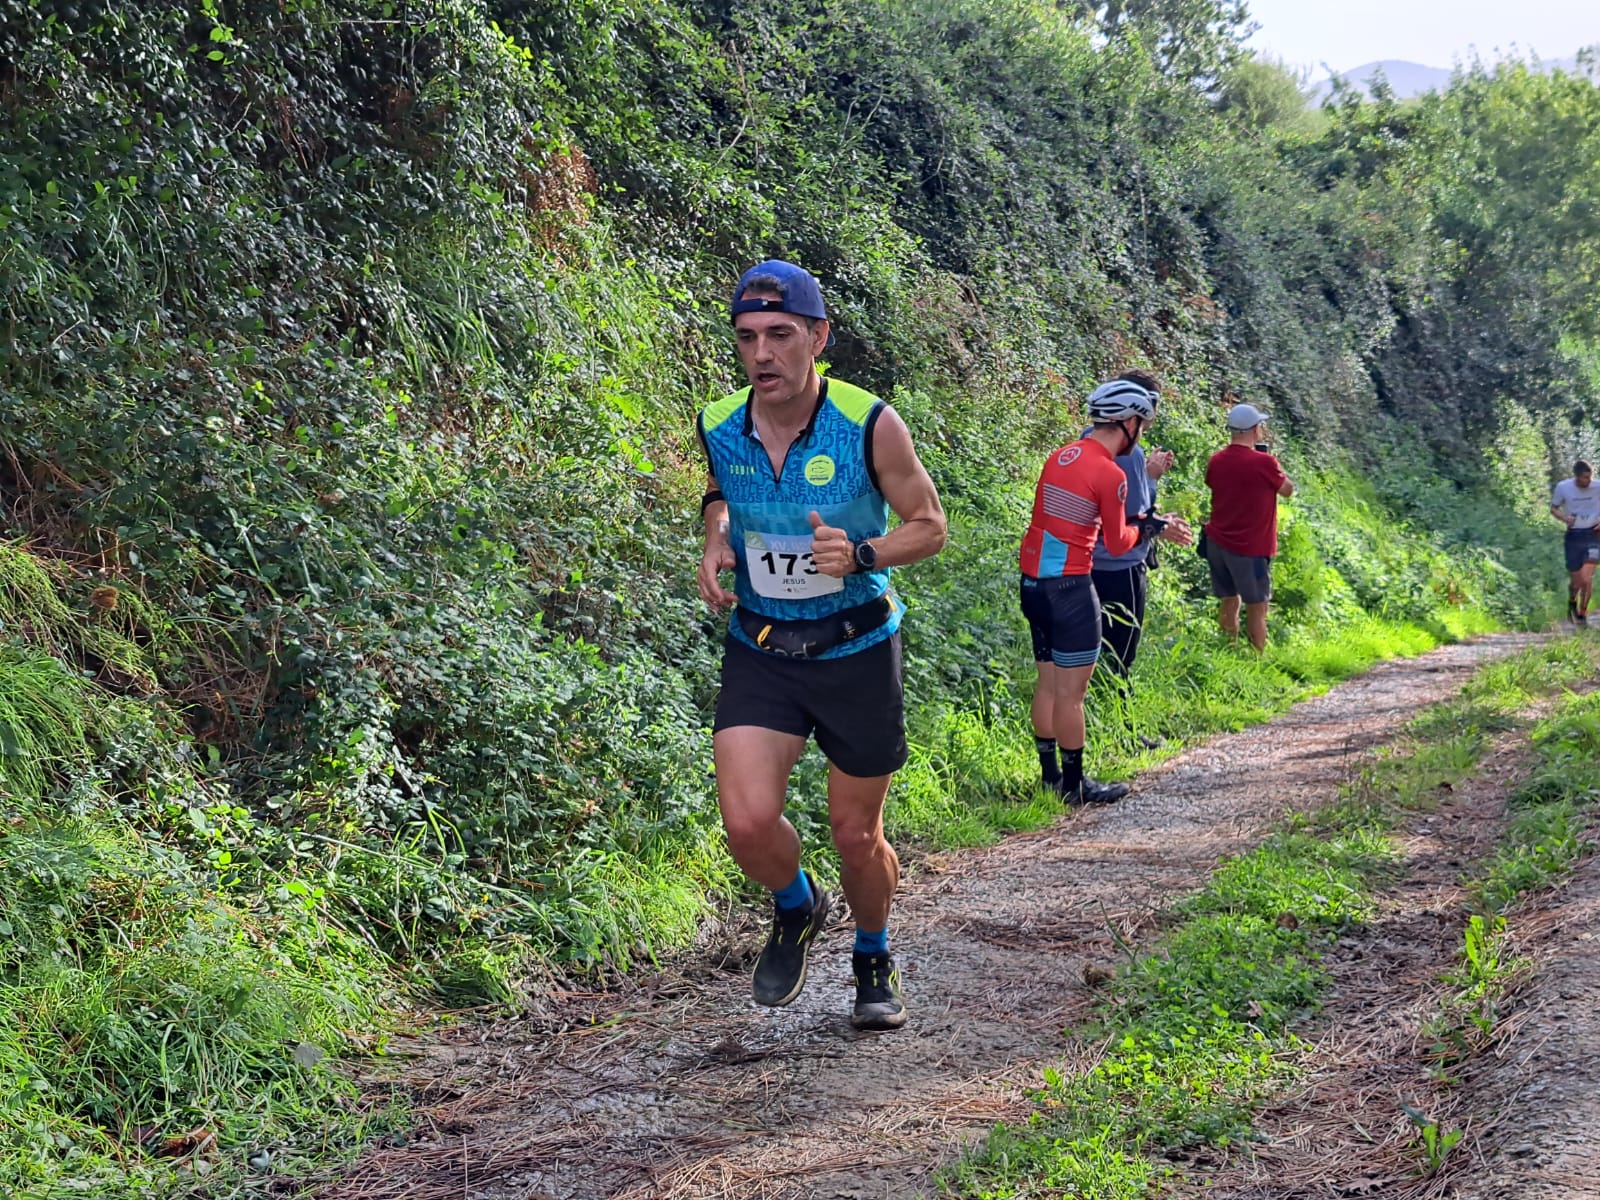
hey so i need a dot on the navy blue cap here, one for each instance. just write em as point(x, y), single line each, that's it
point(797, 286)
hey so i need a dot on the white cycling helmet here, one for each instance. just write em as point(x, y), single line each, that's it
point(1119, 400)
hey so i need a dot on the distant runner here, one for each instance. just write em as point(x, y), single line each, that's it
point(1080, 495)
point(1576, 504)
point(804, 471)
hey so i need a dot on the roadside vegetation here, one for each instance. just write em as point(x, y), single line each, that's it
point(349, 654)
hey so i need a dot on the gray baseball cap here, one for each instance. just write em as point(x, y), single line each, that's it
point(1244, 416)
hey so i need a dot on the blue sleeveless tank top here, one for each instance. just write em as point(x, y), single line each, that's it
point(828, 470)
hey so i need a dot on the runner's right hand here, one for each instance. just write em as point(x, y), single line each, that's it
point(1177, 531)
point(716, 559)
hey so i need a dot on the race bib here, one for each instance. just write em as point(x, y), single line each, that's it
point(780, 567)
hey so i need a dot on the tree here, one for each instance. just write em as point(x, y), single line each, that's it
point(1192, 41)
point(1259, 93)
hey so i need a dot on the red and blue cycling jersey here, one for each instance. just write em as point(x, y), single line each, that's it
point(1081, 493)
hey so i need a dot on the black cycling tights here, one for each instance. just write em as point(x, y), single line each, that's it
point(1122, 596)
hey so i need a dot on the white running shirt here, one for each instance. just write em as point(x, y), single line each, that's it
point(1582, 504)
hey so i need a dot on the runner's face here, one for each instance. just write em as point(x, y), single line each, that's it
point(1583, 480)
point(778, 351)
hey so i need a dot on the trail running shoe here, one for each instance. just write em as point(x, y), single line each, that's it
point(878, 1002)
point(1582, 618)
point(1572, 611)
point(781, 969)
point(1092, 791)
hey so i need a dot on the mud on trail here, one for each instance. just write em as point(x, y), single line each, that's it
point(677, 1086)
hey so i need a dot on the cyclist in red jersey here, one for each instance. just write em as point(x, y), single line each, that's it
point(1082, 494)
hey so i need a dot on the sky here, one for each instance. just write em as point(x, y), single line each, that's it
point(1348, 33)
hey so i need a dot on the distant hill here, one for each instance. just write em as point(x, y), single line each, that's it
point(1410, 79)
point(1406, 78)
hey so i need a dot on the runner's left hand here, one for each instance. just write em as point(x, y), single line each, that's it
point(1158, 462)
point(831, 552)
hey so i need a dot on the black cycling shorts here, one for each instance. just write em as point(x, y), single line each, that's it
point(1064, 618)
point(1582, 547)
point(855, 704)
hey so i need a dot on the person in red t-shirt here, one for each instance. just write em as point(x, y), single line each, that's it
point(1081, 492)
point(1241, 538)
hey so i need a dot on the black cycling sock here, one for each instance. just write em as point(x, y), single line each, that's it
point(1071, 769)
point(1048, 768)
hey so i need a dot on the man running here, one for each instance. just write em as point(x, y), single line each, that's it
point(804, 471)
point(1122, 580)
point(1241, 538)
point(1081, 494)
point(1576, 504)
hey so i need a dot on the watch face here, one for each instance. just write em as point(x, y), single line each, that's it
point(866, 555)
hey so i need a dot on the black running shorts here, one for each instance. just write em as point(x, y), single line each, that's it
point(1064, 617)
point(855, 704)
point(1582, 547)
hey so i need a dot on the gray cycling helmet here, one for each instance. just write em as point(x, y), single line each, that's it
point(1119, 400)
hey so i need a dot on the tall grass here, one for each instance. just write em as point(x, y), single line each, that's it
point(165, 1005)
point(44, 714)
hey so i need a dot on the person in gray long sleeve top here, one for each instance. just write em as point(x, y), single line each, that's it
point(1121, 579)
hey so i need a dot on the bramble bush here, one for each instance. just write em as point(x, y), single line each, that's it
point(352, 351)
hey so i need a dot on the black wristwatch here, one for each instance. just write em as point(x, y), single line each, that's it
point(866, 556)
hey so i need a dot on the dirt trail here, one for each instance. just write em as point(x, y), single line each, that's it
point(1344, 1132)
point(677, 1086)
point(1527, 1103)
point(1545, 1086)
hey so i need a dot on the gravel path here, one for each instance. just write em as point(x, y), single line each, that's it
point(677, 1086)
point(1527, 1103)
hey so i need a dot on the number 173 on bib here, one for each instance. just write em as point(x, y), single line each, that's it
point(781, 567)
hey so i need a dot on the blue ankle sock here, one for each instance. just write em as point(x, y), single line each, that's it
point(797, 894)
point(872, 943)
